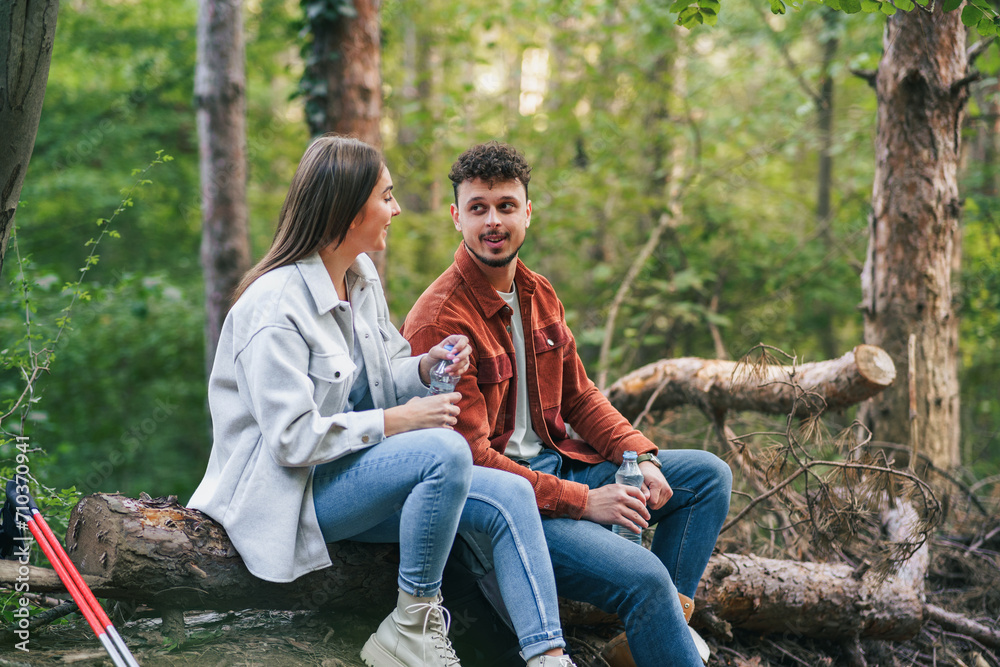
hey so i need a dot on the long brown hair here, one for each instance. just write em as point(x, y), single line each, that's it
point(331, 185)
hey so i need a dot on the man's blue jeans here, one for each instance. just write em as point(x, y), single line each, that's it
point(594, 565)
point(418, 488)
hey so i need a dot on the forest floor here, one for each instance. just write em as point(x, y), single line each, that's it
point(964, 577)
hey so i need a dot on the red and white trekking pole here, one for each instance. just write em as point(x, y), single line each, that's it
point(70, 576)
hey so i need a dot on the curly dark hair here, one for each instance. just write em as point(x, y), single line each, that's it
point(493, 162)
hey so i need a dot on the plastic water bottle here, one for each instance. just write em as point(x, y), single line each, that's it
point(441, 382)
point(629, 475)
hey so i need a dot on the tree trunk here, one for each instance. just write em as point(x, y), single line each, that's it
point(157, 552)
point(716, 386)
point(824, 178)
point(219, 89)
point(160, 553)
point(809, 599)
point(912, 247)
point(344, 77)
point(27, 33)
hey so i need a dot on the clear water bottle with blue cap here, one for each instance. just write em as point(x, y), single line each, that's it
point(442, 382)
point(629, 475)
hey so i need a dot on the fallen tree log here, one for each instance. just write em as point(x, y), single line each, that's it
point(809, 599)
point(717, 386)
point(160, 553)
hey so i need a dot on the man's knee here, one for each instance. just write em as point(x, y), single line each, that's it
point(649, 578)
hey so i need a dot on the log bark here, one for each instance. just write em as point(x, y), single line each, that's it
point(161, 553)
point(717, 386)
point(220, 98)
point(913, 245)
point(809, 599)
point(158, 552)
point(27, 34)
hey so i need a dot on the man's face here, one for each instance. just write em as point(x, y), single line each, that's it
point(493, 220)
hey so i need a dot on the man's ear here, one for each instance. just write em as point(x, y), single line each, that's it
point(527, 214)
point(454, 217)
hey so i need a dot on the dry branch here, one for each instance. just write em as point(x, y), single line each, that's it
point(717, 386)
point(981, 633)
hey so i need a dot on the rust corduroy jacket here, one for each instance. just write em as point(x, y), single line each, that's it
point(461, 301)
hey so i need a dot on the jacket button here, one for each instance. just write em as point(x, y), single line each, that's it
point(376, 383)
point(364, 438)
point(549, 341)
point(366, 335)
point(336, 374)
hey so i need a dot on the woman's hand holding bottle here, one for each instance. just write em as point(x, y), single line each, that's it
point(436, 411)
point(454, 348)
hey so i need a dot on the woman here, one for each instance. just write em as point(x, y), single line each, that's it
point(323, 430)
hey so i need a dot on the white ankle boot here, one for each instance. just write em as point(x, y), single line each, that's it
point(551, 661)
point(415, 634)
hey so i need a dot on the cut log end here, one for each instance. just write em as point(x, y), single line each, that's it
point(875, 365)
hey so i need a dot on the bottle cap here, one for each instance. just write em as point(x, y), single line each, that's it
point(449, 347)
point(630, 455)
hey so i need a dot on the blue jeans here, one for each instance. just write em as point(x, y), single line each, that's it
point(418, 488)
point(594, 565)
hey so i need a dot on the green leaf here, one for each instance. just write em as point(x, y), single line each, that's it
point(777, 7)
point(982, 4)
point(971, 15)
point(888, 8)
point(986, 27)
point(851, 6)
point(870, 6)
point(709, 16)
point(951, 5)
point(679, 5)
point(690, 17)
point(710, 5)
point(905, 5)
point(833, 4)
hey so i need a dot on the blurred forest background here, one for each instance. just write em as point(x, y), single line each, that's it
point(624, 116)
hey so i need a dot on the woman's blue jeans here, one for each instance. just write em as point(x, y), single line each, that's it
point(418, 488)
point(594, 565)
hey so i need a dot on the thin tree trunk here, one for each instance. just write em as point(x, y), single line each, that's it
point(346, 63)
point(824, 207)
point(219, 88)
point(27, 34)
point(906, 283)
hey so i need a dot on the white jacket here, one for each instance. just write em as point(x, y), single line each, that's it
point(277, 394)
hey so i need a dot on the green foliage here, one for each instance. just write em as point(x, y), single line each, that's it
point(623, 91)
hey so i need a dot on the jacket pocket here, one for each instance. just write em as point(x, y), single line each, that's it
point(331, 377)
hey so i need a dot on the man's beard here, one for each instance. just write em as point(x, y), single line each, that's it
point(496, 262)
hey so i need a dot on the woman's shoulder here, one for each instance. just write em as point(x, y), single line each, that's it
point(269, 299)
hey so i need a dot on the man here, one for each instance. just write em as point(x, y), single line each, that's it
point(526, 384)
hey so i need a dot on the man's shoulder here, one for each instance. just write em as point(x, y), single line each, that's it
point(445, 299)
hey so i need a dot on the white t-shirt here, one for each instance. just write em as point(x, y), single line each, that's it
point(524, 443)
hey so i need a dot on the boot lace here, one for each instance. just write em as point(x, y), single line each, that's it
point(439, 629)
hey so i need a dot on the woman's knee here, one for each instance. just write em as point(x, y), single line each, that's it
point(450, 451)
